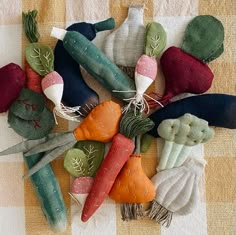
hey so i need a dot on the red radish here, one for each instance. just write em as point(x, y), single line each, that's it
point(145, 74)
point(183, 74)
point(80, 188)
point(52, 85)
point(119, 152)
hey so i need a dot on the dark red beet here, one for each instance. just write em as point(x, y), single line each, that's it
point(12, 80)
point(183, 73)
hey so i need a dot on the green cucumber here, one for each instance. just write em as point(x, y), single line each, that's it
point(48, 193)
point(96, 63)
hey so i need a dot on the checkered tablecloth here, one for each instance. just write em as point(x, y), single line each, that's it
point(216, 214)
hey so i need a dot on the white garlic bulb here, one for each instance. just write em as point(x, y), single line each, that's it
point(125, 45)
point(176, 191)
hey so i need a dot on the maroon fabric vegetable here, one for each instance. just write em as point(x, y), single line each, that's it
point(183, 73)
point(12, 80)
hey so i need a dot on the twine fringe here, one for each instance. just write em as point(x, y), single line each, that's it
point(131, 211)
point(67, 113)
point(160, 214)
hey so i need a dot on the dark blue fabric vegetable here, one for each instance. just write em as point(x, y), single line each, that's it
point(218, 109)
point(76, 91)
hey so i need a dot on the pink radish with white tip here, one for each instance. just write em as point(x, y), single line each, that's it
point(53, 85)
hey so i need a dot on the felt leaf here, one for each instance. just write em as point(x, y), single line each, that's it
point(76, 163)
point(32, 129)
point(40, 58)
point(29, 105)
point(203, 37)
point(94, 151)
point(12, 79)
point(132, 185)
point(155, 39)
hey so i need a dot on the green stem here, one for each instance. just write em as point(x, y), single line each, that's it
point(30, 25)
point(105, 25)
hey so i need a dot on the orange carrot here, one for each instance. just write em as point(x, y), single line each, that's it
point(120, 150)
point(132, 185)
point(33, 80)
point(101, 124)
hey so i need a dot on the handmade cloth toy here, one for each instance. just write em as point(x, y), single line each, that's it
point(185, 69)
point(121, 148)
point(94, 127)
point(146, 67)
point(132, 187)
point(76, 91)
point(125, 45)
point(12, 79)
point(176, 191)
point(80, 189)
point(180, 135)
point(30, 27)
point(217, 109)
point(95, 62)
point(85, 158)
point(48, 192)
point(29, 116)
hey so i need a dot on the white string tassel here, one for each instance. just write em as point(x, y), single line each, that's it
point(138, 101)
point(66, 113)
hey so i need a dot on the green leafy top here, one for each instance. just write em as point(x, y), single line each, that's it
point(133, 125)
point(204, 37)
point(94, 151)
point(30, 25)
point(155, 39)
point(40, 58)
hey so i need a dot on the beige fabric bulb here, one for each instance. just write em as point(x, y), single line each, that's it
point(176, 191)
point(125, 45)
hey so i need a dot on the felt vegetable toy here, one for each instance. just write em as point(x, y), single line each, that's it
point(95, 62)
point(121, 148)
point(101, 124)
point(124, 45)
point(80, 189)
point(185, 69)
point(180, 136)
point(132, 187)
point(146, 67)
point(217, 109)
point(48, 192)
point(12, 79)
point(176, 191)
point(40, 58)
point(76, 91)
point(29, 117)
point(85, 158)
point(30, 27)
point(145, 74)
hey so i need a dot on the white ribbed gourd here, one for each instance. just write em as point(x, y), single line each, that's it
point(176, 191)
point(125, 45)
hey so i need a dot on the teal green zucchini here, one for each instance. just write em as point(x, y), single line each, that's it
point(98, 65)
point(48, 193)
